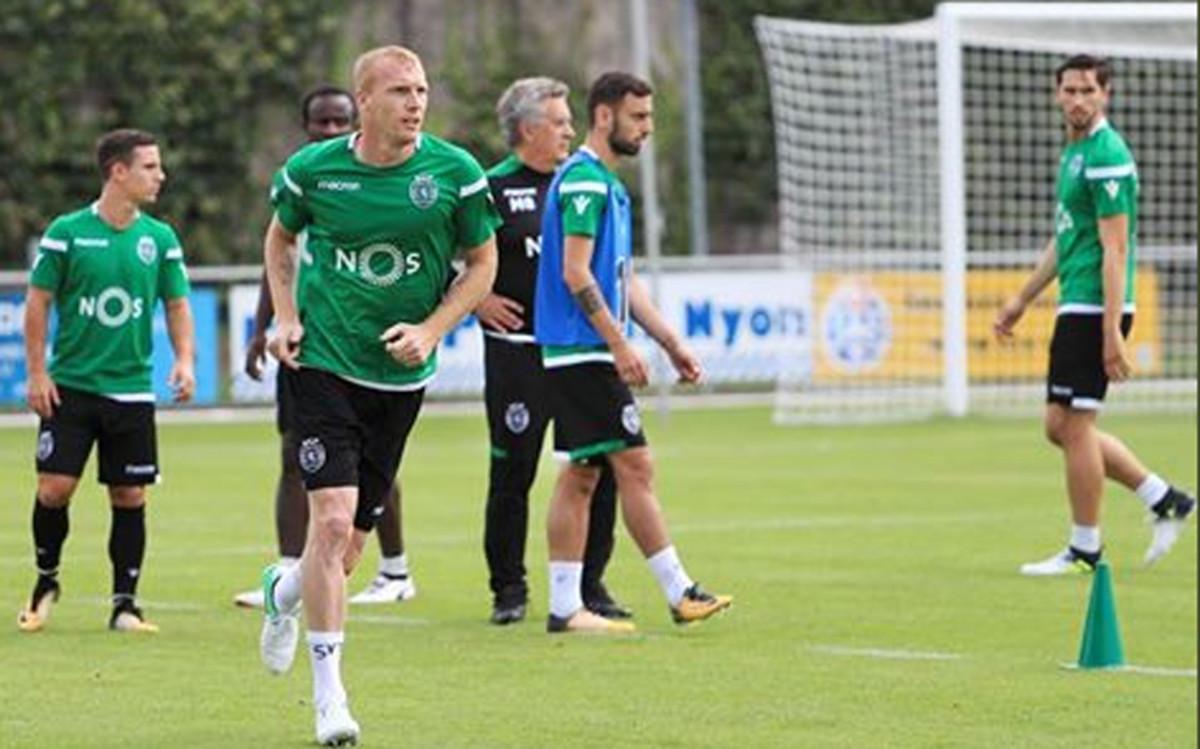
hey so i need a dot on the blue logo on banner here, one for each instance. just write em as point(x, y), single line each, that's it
point(736, 324)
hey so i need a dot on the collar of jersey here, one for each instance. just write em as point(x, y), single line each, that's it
point(95, 209)
point(1100, 125)
point(355, 135)
point(589, 153)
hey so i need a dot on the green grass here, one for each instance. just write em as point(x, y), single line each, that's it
point(832, 539)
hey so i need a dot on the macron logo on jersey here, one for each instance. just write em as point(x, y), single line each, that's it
point(338, 185)
point(581, 203)
point(1112, 187)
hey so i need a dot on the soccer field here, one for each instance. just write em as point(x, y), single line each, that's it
point(874, 569)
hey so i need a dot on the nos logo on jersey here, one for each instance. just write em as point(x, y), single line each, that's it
point(112, 307)
point(379, 264)
point(147, 251)
point(423, 191)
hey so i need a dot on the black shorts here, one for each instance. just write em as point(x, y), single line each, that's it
point(128, 446)
point(285, 411)
point(594, 412)
point(1077, 379)
point(515, 392)
point(350, 435)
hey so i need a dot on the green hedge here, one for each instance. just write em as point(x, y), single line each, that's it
point(198, 73)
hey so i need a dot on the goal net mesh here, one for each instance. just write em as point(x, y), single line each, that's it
point(856, 119)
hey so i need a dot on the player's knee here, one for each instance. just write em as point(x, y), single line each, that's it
point(391, 499)
point(55, 491)
point(127, 497)
point(1055, 427)
point(333, 529)
point(635, 469)
point(581, 481)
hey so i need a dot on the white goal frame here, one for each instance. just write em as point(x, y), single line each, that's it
point(1117, 29)
point(950, 18)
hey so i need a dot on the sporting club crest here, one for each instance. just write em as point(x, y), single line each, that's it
point(147, 251)
point(423, 191)
point(45, 446)
point(631, 419)
point(312, 455)
point(516, 417)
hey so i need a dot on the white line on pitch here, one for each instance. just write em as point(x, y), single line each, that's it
point(1161, 671)
point(898, 655)
point(1189, 673)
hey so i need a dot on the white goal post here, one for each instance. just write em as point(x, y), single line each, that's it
point(916, 178)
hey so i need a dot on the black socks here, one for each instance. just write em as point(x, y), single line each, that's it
point(126, 548)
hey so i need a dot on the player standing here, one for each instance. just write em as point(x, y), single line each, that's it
point(1093, 255)
point(104, 267)
point(536, 121)
point(586, 292)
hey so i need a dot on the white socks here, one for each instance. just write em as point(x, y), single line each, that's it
point(287, 590)
point(394, 566)
point(325, 652)
point(669, 572)
point(565, 579)
point(1152, 490)
point(1086, 538)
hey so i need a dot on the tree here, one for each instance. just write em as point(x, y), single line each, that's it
point(197, 73)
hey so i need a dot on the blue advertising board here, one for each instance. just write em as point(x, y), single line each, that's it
point(204, 313)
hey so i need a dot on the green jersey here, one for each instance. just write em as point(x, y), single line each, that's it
point(105, 283)
point(381, 240)
point(1097, 177)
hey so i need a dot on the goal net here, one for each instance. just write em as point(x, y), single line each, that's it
point(916, 176)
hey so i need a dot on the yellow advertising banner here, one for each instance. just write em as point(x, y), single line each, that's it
point(888, 327)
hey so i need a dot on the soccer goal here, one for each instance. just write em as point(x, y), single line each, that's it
point(916, 185)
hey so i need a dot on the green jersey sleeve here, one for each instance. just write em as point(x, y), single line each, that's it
point(476, 217)
point(1111, 177)
point(582, 196)
point(50, 264)
point(172, 272)
point(287, 195)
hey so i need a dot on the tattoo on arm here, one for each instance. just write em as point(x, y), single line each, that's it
point(589, 299)
point(285, 270)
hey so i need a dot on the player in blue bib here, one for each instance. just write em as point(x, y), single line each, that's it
point(586, 294)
